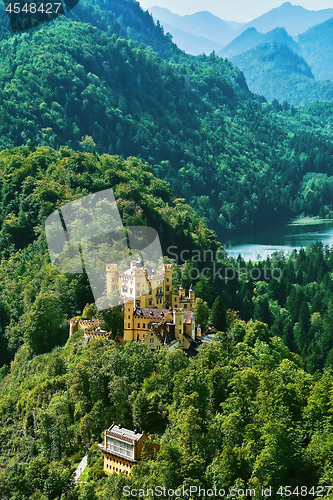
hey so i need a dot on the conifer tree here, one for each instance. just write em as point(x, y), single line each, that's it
point(218, 315)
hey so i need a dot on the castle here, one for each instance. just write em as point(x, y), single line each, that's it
point(154, 313)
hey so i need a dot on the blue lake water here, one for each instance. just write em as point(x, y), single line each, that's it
point(285, 238)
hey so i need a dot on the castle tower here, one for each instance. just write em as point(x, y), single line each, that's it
point(181, 292)
point(178, 319)
point(192, 298)
point(140, 286)
point(73, 326)
point(128, 320)
point(168, 286)
point(111, 278)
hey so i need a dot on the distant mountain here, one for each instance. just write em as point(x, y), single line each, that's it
point(201, 24)
point(293, 18)
point(192, 44)
point(317, 48)
point(251, 38)
point(276, 72)
point(234, 24)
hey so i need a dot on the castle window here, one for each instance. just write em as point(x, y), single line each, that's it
point(129, 317)
point(167, 298)
point(112, 280)
point(185, 305)
point(167, 280)
point(149, 292)
point(138, 285)
point(129, 308)
point(138, 303)
point(150, 302)
point(138, 294)
point(167, 288)
point(185, 327)
point(131, 290)
point(143, 325)
point(151, 339)
point(138, 325)
point(128, 325)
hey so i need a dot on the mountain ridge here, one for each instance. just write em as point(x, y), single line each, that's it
point(251, 38)
point(294, 18)
point(275, 71)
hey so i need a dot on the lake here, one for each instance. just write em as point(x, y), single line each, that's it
point(286, 238)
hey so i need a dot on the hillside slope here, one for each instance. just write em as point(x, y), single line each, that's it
point(275, 71)
point(317, 49)
point(192, 44)
point(195, 122)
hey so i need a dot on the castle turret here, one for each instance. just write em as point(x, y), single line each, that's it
point(73, 326)
point(178, 319)
point(192, 298)
point(181, 292)
point(168, 286)
point(111, 278)
point(128, 320)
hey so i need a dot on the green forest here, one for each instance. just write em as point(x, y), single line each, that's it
point(277, 72)
point(257, 396)
point(102, 98)
point(233, 156)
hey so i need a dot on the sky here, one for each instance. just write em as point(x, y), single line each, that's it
point(231, 10)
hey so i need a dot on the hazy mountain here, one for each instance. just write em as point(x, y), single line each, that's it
point(201, 24)
point(237, 38)
point(192, 44)
point(251, 38)
point(317, 49)
point(275, 71)
point(234, 24)
point(293, 18)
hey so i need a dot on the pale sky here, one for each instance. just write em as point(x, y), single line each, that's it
point(231, 10)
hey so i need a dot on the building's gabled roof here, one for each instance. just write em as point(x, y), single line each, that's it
point(161, 314)
point(188, 316)
point(149, 313)
point(123, 434)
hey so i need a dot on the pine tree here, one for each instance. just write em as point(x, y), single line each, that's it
point(218, 315)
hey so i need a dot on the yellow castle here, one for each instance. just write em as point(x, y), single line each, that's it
point(153, 312)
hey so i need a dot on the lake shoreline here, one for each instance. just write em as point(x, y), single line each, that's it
point(306, 221)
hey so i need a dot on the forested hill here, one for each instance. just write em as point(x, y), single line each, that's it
point(277, 72)
point(34, 182)
point(125, 18)
point(195, 122)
